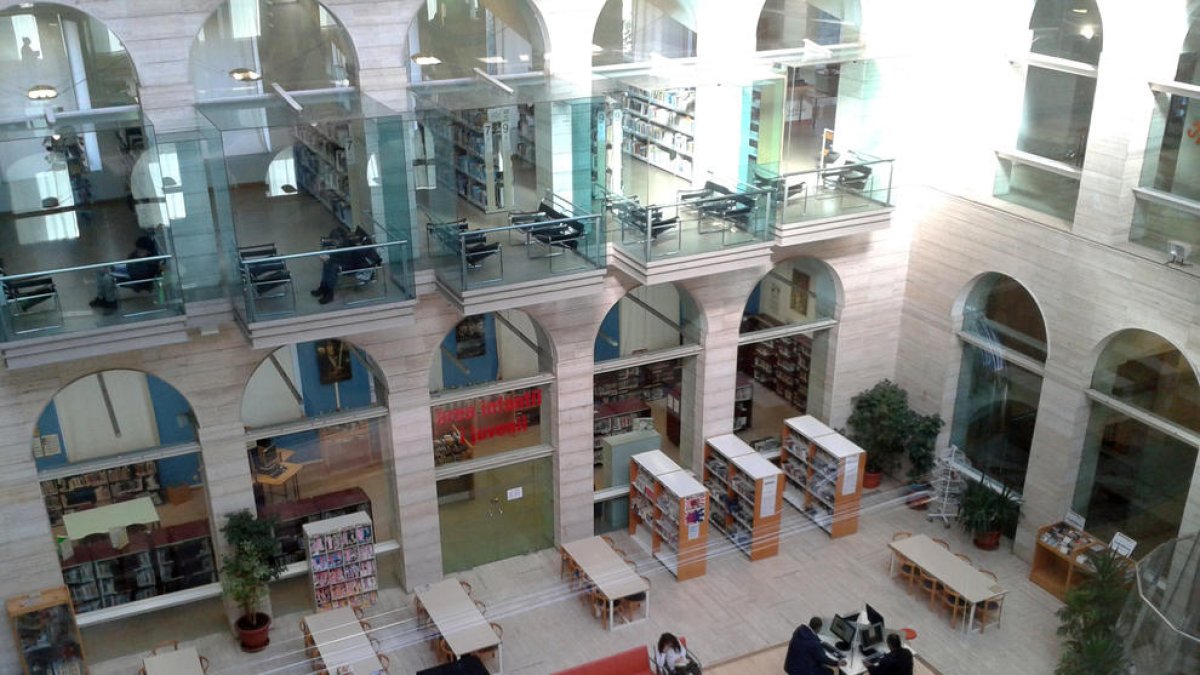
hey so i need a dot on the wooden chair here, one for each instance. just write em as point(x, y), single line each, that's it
point(444, 653)
point(466, 587)
point(896, 557)
point(384, 662)
point(942, 543)
point(609, 540)
point(908, 572)
point(953, 601)
point(492, 652)
point(203, 663)
point(927, 583)
point(628, 606)
point(963, 557)
point(310, 647)
point(988, 609)
point(481, 607)
point(599, 606)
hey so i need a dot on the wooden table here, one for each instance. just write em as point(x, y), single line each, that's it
point(184, 661)
point(957, 575)
point(289, 475)
point(458, 620)
point(341, 642)
point(611, 575)
point(103, 518)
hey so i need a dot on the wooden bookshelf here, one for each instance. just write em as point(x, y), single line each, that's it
point(747, 495)
point(341, 561)
point(781, 365)
point(667, 514)
point(99, 488)
point(294, 515)
point(614, 417)
point(321, 150)
point(1060, 559)
point(45, 632)
point(825, 473)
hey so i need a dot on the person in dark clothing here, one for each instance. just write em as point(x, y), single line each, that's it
point(136, 270)
point(806, 655)
point(898, 661)
point(337, 261)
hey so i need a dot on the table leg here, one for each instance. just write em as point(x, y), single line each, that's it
point(970, 618)
point(611, 605)
point(892, 566)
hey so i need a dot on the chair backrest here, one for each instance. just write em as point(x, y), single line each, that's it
point(257, 251)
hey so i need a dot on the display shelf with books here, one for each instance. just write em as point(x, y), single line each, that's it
point(1060, 559)
point(824, 473)
point(99, 488)
point(46, 634)
point(659, 128)
point(321, 153)
point(668, 514)
point(341, 556)
point(480, 141)
point(750, 492)
point(781, 365)
point(292, 516)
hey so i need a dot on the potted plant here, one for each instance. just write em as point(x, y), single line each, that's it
point(254, 560)
point(1091, 645)
point(923, 431)
point(986, 513)
point(877, 424)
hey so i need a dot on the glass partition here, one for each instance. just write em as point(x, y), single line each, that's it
point(634, 31)
point(450, 39)
point(1159, 622)
point(85, 225)
point(854, 183)
point(787, 24)
point(246, 46)
point(318, 203)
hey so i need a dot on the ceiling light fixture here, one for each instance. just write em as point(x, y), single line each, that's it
point(42, 92)
point(596, 49)
point(50, 203)
point(245, 75)
point(426, 60)
point(524, 58)
point(492, 59)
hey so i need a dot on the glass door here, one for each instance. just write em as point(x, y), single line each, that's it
point(496, 514)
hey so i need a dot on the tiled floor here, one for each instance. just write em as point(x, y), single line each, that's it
point(739, 607)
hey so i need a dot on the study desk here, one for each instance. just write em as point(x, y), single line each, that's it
point(183, 661)
point(611, 575)
point(103, 518)
point(458, 620)
point(957, 575)
point(856, 663)
point(341, 642)
point(289, 476)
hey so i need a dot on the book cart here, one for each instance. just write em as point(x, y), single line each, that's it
point(46, 635)
point(825, 474)
point(747, 495)
point(667, 508)
point(341, 561)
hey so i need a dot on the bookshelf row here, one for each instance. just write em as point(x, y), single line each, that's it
point(99, 488)
point(342, 561)
point(824, 474)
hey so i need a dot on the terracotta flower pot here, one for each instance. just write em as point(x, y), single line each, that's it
point(255, 633)
point(988, 541)
point(872, 479)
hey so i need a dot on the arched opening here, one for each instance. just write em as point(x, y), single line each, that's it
point(1139, 455)
point(1003, 339)
point(1060, 85)
point(122, 478)
point(644, 389)
point(785, 350)
point(449, 39)
point(246, 46)
point(490, 383)
point(637, 31)
point(318, 446)
point(70, 196)
point(787, 24)
point(1171, 174)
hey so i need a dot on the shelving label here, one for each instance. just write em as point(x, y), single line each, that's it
point(770, 488)
point(850, 482)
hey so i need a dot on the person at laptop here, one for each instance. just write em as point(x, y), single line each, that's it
point(898, 660)
point(806, 654)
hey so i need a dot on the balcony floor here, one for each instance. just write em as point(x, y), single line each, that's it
point(738, 608)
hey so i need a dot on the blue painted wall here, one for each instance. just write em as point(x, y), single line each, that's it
point(610, 326)
point(755, 298)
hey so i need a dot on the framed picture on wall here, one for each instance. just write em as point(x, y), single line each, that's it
point(800, 283)
point(333, 361)
point(469, 339)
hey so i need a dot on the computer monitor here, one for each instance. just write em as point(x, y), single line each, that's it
point(843, 630)
point(266, 457)
point(874, 632)
point(874, 617)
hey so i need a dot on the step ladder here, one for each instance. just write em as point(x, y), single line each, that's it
point(947, 485)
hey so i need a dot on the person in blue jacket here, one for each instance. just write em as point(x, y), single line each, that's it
point(806, 655)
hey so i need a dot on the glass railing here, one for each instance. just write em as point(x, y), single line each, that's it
point(1158, 625)
point(555, 238)
point(85, 297)
point(372, 264)
point(709, 219)
point(852, 187)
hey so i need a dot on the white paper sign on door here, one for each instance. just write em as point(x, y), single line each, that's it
point(515, 493)
point(850, 481)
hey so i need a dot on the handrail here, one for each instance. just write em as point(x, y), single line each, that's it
point(82, 268)
point(825, 169)
point(503, 228)
point(309, 254)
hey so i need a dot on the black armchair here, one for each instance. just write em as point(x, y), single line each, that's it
point(268, 278)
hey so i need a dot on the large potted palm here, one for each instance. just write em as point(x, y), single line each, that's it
point(986, 514)
point(254, 560)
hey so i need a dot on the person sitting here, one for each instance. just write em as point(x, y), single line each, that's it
point(136, 270)
point(805, 654)
point(898, 660)
point(671, 657)
point(333, 262)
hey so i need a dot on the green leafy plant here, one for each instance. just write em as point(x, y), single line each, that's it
point(883, 425)
point(254, 560)
point(985, 510)
point(1088, 628)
